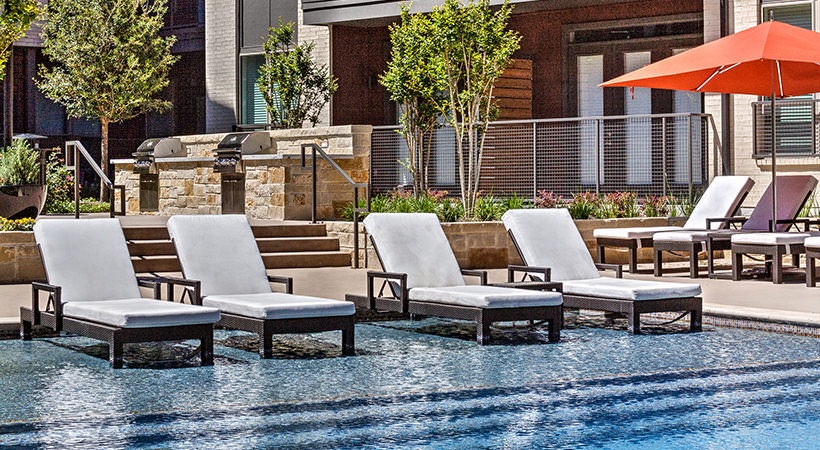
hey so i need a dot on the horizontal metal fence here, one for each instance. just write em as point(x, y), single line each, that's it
point(797, 127)
point(669, 154)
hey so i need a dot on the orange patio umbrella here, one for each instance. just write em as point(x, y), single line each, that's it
point(773, 59)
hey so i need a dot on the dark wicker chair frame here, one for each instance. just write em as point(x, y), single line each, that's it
point(632, 309)
point(399, 301)
point(632, 245)
point(53, 318)
point(266, 328)
point(812, 253)
point(772, 253)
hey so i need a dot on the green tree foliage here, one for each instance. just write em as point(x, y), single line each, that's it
point(16, 17)
point(110, 61)
point(416, 81)
point(294, 86)
point(475, 47)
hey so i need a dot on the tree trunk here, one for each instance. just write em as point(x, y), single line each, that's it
point(104, 194)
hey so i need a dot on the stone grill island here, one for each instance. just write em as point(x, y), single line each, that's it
point(274, 184)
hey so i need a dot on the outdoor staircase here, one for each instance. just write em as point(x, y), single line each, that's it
point(282, 245)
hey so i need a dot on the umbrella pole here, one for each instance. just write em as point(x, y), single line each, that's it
point(773, 223)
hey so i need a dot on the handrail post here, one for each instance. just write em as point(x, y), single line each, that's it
point(313, 187)
point(76, 182)
point(355, 227)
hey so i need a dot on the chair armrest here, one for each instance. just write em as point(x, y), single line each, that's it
point(481, 274)
point(734, 220)
point(618, 268)
point(512, 269)
point(154, 283)
point(55, 294)
point(287, 281)
point(792, 222)
point(372, 275)
point(193, 287)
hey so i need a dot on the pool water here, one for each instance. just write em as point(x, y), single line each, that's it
point(414, 385)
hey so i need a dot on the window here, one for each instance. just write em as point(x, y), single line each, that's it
point(253, 104)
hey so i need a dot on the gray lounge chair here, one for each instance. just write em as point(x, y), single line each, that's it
point(722, 198)
point(93, 291)
point(423, 278)
point(223, 269)
point(549, 238)
point(792, 193)
point(772, 245)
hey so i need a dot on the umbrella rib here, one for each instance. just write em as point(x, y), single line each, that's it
point(779, 78)
point(719, 71)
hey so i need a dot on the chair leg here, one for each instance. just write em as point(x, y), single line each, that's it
point(693, 261)
point(737, 265)
point(206, 349)
point(696, 320)
point(554, 324)
point(811, 277)
point(115, 352)
point(348, 340)
point(266, 342)
point(633, 259)
point(601, 254)
point(777, 265)
point(633, 321)
point(658, 262)
point(483, 330)
point(25, 330)
point(710, 260)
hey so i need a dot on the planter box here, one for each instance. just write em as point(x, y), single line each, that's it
point(485, 245)
point(17, 202)
point(19, 258)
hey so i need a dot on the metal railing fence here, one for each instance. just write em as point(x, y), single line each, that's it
point(661, 154)
point(798, 127)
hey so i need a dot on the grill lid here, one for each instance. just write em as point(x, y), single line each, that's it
point(246, 143)
point(161, 147)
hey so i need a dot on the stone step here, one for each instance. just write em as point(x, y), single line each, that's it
point(277, 260)
point(159, 233)
point(266, 245)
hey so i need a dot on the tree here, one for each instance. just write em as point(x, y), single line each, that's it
point(294, 86)
point(16, 17)
point(475, 47)
point(110, 60)
point(416, 81)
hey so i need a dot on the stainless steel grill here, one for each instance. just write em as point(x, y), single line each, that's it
point(151, 149)
point(229, 151)
point(649, 154)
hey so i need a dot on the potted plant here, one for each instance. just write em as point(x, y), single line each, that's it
point(21, 194)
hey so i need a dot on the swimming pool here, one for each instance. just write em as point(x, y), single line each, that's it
point(598, 388)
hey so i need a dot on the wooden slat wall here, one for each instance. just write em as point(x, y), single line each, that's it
point(513, 91)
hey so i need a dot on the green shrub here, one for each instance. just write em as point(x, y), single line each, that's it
point(19, 164)
point(487, 209)
point(548, 199)
point(655, 206)
point(87, 205)
point(450, 210)
point(583, 205)
point(60, 183)
point(617, 205)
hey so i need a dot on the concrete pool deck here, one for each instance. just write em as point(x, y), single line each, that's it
point(790, 303)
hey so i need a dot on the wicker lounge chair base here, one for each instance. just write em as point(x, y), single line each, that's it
point(634, 309)
point(267, 328)
point(774, 255)
point(632, 245)
point(116, 337)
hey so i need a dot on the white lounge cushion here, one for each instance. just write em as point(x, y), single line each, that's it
point(628, 289)
point(549, 238)
point(771, 238)
point(682, 236)
point(721, 199)
point(274, 305)
point(88, 258)
point(140, 313)
point(485, 296)
point(812, 242)
point(631, 233)
point(416, 245)
point(221, 252)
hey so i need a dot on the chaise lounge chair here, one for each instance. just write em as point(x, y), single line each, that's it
point(423, 276)
point(722, 198)
point(93, 291)
point(792, 193)
point(222, 266)
point(549, 238)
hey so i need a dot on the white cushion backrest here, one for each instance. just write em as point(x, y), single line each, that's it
point(549, 238)
point(721, 199)
point(221, 252)
point(88, 258)
point(792, 191)
point(414, 244)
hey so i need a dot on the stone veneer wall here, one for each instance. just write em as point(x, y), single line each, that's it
point(486, 245)
point(19, 258)
point(277, 187)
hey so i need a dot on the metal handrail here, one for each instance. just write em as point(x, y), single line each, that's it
point(356, 186)
point(78, 150)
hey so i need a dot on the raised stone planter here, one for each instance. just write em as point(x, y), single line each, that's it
point(19, 258)
point(485, 245)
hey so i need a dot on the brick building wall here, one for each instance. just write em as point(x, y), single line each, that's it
point(220, 65)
